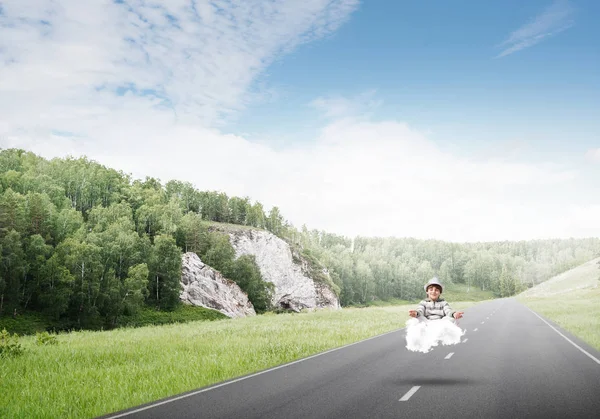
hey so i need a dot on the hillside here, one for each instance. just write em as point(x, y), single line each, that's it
point(585, 276)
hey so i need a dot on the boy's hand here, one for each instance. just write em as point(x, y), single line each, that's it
point(458, 314)
point(412, 313)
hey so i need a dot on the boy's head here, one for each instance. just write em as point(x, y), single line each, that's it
point(433, 288)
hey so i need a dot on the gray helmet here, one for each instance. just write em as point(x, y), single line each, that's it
point(434, 281)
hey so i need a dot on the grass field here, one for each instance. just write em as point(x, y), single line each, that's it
point(92, 373)
point(462, 292)
point(571, 301)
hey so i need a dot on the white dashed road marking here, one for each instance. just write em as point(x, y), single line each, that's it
point(410, 393)
point(465, 340)
point(475, 330)
point(449, 355)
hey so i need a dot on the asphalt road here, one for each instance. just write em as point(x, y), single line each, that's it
point(511, 364)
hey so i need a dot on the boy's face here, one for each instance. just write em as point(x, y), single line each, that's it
point(433, 292)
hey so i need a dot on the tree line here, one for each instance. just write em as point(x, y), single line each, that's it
point(368, 269)
point(86, 245)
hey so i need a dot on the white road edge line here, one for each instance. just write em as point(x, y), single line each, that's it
point(566, 338)
point(183, 396)
point(409, 394)
point(449, 355)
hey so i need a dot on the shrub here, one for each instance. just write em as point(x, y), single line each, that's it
point(9, 345)
point(45, 338)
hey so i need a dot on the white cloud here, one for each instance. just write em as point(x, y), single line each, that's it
point(593, 155)
point(339, 106)
point(197, 57)
point(387, 179)
point(58, 96)
point(555, 19)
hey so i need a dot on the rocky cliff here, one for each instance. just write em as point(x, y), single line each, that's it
point(203, 286)
point(294, 288)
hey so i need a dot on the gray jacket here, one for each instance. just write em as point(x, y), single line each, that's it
point(434, 310)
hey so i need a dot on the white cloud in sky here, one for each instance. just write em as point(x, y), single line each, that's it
point(69, 57)
point(593, 155)
point(340, 106)
point(557, 18)
point(63, 90)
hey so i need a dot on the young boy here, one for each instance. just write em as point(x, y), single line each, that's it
point(434, 307)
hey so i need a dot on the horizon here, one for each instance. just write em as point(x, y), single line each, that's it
point(463, 124)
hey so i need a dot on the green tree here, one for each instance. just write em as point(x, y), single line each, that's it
point(246, 274)
point(84, 261)
point(36, 254)
point(56, 286)
point(219, 253)
point(256, 216)
point(39, 214)
point(135, 289)
point(274, 221)
point(12, 270)
point(192, 233)
point(66, 223)
point(188, 197)
point(170, 217)
point(238, 209)
point(215, 206)
point(165, 273)
point(12, 212)
point(11, 179)
point(35, 182)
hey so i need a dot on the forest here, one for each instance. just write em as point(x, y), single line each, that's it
point(88, 246)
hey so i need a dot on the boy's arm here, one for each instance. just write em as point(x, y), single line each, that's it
point(421, 309)
point(452, 313)
point(447, 309)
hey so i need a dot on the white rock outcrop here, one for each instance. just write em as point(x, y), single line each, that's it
point(206, 287)
point(294, 289)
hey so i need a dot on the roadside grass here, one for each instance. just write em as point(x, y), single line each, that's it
point(462, 292)
point(571, 301)
point(182, 314)
point(577, 311)
point(390, 302)
point(30, 323)
point(88, 373)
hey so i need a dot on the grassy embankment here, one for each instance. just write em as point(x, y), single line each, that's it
point(30, 323)
point(571, 301)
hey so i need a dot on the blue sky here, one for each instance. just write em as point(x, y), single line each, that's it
point(436, 68)
point(456, 120)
